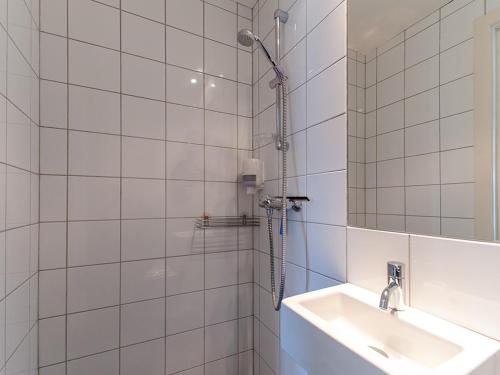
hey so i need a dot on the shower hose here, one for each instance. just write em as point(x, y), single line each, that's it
point(278, 298)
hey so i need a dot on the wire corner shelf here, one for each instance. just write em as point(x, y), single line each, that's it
point(206, 222)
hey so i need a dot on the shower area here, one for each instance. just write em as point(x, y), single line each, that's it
point(125, 126)
point(146, 113)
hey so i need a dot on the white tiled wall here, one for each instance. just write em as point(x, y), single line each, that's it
point(314, 55)
point(126, 286)
point(419, 145)
point(437, 274)
point(356, 143)
point(146, 114)
point(19, 182)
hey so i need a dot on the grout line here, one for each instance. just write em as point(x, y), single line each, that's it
point(426, 185)
point(404, 129)
point(440, 52)
point(237, 211)
point(38, 195)
point(204, 198)
point(18, 347)
point(143, 97)
point(136, 344)
point(121, 194)
point(6, 204)
point(11, 39)
point(124, 219)
point(9, 101)
point(156, 21)
point(307, 127)
point(67, 193)
point(439, 125)
point(136, 301)
point(166, 203)
point(135, 137)
point(376, 132)
point(421, 216)
point(128, 53)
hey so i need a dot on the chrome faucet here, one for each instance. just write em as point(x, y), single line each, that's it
point(392, 296)
point(268, 202)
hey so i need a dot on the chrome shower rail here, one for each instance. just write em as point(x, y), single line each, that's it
point(227, 222)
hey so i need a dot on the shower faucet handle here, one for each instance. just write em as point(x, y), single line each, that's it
point(295, 201)
point(298, 198)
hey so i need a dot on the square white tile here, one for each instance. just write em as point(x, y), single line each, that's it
point(142, 280)
point(94, 66)
point(184, 274)
point(184, 49)
point(143, 77)
point(184, 86)
point(330, 83)
point(184, 351)
point(328, 193)
point(221, 269)
point(92, 154)
point(220, 60)
point(185, 312)
point(143, 239)
point(142, 321)
point(105, 30)
point(144, 158)
point(94, 110)
point(93, 242)
point(185, 14)
point(143, 358)
point(143, 198)
point(93, 198)
point(220, 25)
point(143, 117)
point(92, 332)
point(333, 29)
point(154, 9)
point(93, 287)
point(142, 37)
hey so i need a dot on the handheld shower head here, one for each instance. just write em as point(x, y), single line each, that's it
point(246, 37)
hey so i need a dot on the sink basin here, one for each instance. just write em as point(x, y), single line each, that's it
point(341, 330)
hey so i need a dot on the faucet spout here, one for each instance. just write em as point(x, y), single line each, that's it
point(387, 293)
point(392, 297)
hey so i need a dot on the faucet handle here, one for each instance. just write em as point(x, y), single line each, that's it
point(395, 270)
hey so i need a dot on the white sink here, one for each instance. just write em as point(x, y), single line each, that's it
point(341, 330)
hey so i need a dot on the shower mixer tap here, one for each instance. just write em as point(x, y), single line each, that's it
point(276, 203)
point(269, 202)
point(247, 38)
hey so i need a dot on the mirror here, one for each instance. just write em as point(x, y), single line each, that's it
point(424, 116)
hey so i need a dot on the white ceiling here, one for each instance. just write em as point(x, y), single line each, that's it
point(373, 22)
point(248, 3)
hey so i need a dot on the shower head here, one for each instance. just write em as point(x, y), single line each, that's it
point(246, 37)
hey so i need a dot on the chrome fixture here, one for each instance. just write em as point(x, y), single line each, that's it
point(276, 203)
point(269, 202)
point(392, 296)
point(248, 38)
point(206, 222)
